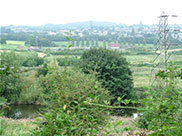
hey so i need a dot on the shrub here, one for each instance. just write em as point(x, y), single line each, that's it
point(112, 70)
point(161, 109)
point(67, 61)
point(69, 112)
point(33, 61)
point(31, 93)
point(42, 71)
point(67, 52)
point(10, 83)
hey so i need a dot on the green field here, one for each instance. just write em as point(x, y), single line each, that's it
point(11, 45)
point(16, 42)
point(142, 71)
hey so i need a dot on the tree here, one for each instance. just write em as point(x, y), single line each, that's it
point(92, 43)
point(88, 43)
point(73, 43)
point(112, 70)
point(77, 43)
point(82, 43)
point(96, 43)
point(3, 41)
point(33, 61)
point(104, 43)
point(40, 42)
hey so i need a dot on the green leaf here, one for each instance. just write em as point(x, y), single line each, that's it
point(117, 123)
point(119, 99)
point(68, 38)
point(126, 101)
point(66, 62)
point(69, 46)
point(134, 102)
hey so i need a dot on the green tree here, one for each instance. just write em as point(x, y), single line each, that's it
point(3, 40)
point(33, 61)
point(97, 43)
point(92, 43)
point(77, 43)
point(104, 43)
point(88, 43)
point(40, 42)
point(112, 70)
point(73, 43)
point(82, 43)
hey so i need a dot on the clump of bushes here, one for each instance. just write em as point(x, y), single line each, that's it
point(71, 109)
point(42, 71)
point(10, 82)
point(112, 70)
point(67, 61)
point(161, 109)
point(68, 52)
point(32, 61)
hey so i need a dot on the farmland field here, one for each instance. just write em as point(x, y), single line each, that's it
point(141, 66)
point(11, 45)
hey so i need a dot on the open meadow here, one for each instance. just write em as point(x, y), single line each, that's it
point(11, 45)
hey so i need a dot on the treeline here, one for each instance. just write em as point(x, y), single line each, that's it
point(85, 38)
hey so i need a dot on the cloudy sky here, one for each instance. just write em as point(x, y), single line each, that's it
point(39, 12)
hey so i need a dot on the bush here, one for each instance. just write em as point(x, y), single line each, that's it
point(10, 83)
point(112, 70)
point(68, 52)
point(31, 93)
point(32, 61)
point(161, 109)
point(42, 71)
point(67, 61)
point(70, 112)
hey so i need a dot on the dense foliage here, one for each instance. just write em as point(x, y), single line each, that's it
point(42, 71)
point(40, 42)
point(112, 70)
point(68, 52)
point(10, 82)
point(69, 113)
point(32, 61)
point(67, 61)
point(3, 41)
point(161, 109)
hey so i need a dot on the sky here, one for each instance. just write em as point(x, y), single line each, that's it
point(39, 12)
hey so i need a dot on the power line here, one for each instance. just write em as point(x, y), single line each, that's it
point(162, 45)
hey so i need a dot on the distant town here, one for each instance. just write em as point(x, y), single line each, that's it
point(88, 34)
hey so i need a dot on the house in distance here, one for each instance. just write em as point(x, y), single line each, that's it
point(114, 45)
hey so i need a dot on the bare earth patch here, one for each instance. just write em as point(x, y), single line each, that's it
point(41, 55)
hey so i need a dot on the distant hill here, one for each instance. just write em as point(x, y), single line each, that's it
point(78, 24)
point(84, 24)
point(89, 23)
